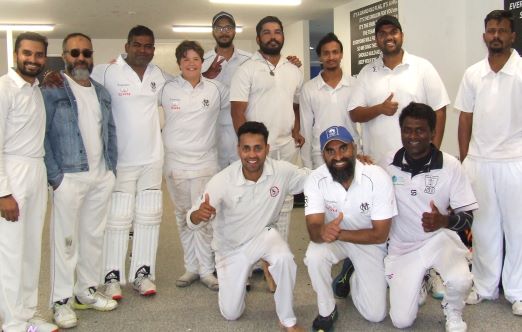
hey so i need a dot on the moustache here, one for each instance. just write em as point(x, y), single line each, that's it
point(28, 63)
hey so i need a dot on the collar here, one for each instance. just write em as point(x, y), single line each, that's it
point(406, 60)
point(436, 160)
point(345, 81)
point(120, 60)
point(510, 67)
point(19, 81)
point(184, 83)
point(268, 170)
point(259, 57)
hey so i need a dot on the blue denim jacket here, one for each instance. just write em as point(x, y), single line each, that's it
point(64, 148)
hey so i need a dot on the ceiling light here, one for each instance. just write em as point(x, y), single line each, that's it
point(198, 28)
point(260, 2)
point(26, 27)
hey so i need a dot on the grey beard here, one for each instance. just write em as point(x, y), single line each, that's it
point(80, 74)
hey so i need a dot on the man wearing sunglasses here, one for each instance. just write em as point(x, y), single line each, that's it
point(80, 155)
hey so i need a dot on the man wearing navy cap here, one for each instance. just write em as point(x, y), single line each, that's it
point(348, 212)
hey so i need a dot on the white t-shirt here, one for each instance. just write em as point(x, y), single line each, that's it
point(415, 79)
point(135, 110)
point(244, 208)
point(444, 183)
point(495, 99)
point(191, 114)
point(22, 122)
point(90, 124)
point(320, 107)
point(270, 98)
point(369, 197)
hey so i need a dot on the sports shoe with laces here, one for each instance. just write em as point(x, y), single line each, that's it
point(211, 282)
point(423, 293)
point(113, 289)
point(63, 315)
point(436, 285)
point(517, 308)
point(39, 324)
point(93, 299)
point(341, 283)
point(187, 279)
point(144, 285)
point(474, 297)
point(454, 322)
point(321, 323)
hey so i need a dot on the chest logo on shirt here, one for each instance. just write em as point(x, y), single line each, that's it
point(398, 180)
point(153, 86)
point(365, 208)
point(431, 183)
point(205, 103)
point(124, 92)
point(175, 105)
point(274, 191)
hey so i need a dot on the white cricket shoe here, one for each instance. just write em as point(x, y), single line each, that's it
point(144, 286)
point(517, 308)
point(93, 299)
point(454, 322)
point(38, 323)
point(436, 285)
point(64, 316)
point(474, 297)
point(187, 279)
point(211, 282)
point(113, 289)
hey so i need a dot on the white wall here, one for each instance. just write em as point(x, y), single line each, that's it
point(297, 42)
point(446, 32)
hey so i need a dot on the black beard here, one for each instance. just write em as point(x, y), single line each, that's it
point(28, 73)
point(224, 45)
point(344, 174)
point(269, 50)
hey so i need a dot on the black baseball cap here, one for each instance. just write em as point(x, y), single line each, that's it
point(226, 15)
point(387, 20)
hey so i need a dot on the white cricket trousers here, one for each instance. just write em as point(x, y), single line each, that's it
point(290, 153)
point(498, 189)
point(21, 242)
point(367, 284)
point(233, 269)
point(197, 252)
point(78, 220)
point(444, 252)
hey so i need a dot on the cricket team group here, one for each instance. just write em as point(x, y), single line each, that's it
point(379, 194)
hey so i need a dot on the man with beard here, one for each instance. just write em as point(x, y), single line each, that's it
point(391, 82)
point(266, 89)
point(243, 203)
point(490, 142)
point(423, 235)
point(80, 155)
point(324, 100)
point(348, 212)
point(23, 191)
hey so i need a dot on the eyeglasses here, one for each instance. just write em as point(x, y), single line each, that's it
point(76, 53)
point(226, 28)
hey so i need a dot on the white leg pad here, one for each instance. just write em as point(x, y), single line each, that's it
point(149, 208)
point(117, 234)
point(283, 223)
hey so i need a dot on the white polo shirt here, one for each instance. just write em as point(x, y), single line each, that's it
point(369, 197)
point(244, 208)
point(22, 122)
point(191, 114)
point(270, 98)
point(495, 99)
point(135, 110)
point(320, 107)
point(228, 69)
point(415, 79)
point(442, 181)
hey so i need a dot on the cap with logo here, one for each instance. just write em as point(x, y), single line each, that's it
point(335, 133)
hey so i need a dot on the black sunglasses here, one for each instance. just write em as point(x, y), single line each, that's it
point(76, 53)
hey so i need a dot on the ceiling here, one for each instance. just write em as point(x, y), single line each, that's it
point(112, 19)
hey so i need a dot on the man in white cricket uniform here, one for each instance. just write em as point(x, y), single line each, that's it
point(348, 212)
point(266, 89)
point(134, 84)
point(423, 235)
point(391, 82)
point(490, 141)
point(80, 156)
point(23, 191)
point(192, 106)
point(243, 202)
point(220, 64)
point(324, 101)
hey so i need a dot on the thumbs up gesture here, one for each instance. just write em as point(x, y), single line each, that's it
point(433, 220)
point(206, 212)
point(330, 232)
point(389, 107)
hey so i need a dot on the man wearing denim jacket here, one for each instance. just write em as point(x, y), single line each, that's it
point(80, 155)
